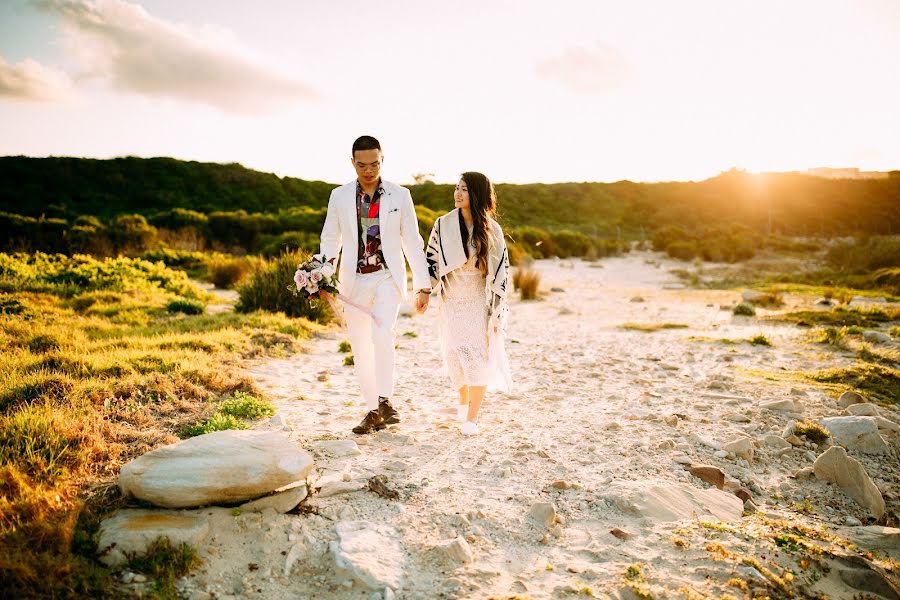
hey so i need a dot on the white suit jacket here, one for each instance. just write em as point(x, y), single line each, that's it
point(399, 236)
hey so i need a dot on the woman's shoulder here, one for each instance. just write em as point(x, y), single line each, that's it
point(495, 227)
point(452, 215)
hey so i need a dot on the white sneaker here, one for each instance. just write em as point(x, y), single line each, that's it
point(462, 412)
point(468, 428)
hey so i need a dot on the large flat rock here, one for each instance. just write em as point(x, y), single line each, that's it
point(216, 468)
point(668, 501)
point(859, 434)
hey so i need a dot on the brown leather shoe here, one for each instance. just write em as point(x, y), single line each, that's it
point(387, 412)
point(372, 421)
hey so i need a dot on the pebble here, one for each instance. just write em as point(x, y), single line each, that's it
point(852, 521)
point(720, 454)
point(139, 578)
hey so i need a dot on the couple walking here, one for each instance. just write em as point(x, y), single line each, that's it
point(371, 224)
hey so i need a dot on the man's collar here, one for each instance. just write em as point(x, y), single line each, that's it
point(379, 189)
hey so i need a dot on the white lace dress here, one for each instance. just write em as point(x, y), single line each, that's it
point(464, 326)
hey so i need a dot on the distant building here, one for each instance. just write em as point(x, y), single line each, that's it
point(846, 173)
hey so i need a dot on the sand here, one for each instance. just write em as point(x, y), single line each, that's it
point(588, 423)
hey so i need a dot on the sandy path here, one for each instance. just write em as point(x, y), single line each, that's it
point(588, 409)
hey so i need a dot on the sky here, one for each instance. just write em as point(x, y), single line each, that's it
point(523, 91)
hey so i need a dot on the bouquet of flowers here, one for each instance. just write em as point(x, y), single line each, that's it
point(314, 277)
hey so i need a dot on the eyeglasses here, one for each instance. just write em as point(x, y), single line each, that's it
point(368, 167)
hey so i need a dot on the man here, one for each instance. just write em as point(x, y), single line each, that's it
point(372, 225)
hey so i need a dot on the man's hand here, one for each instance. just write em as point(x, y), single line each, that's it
point(422, 302)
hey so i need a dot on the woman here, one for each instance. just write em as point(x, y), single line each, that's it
point(469, 267)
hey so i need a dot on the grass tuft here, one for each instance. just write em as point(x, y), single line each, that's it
point(218, 422)
point(165, 563)
point(245, 406)
point(186, 306)
point(811, 431)
point(744, 310)
point(760, 340)
point(344, 347)
point(348, 361)
point(876, 382)
point(527, 281)
point(833, 337)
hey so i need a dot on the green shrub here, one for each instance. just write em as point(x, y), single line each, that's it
point(165, 563)
point(186, 306)
point(349, 361)
point(744, 310)
point(570, 243)
point(865, 255)
point(244, 406)
point(218, 422)
point(66, 276)
point(289, 241)
point(760, 340)
point(833, 336)
point(344, 347)
point(179, 259)
point(683, 250)
point(131, 234)
point(269, 289)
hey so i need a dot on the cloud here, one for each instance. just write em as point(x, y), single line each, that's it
point(133, 51)
point(593, 70)
point(30, 80)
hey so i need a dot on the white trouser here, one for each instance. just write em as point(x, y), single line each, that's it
point(373, 346)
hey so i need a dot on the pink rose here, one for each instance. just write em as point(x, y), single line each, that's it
point(301, 278)
point(312, 288)
point(316, 276)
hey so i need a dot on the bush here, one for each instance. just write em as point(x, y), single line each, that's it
point(744, 310)
point(683, 250)
point(865, 255)
point(186, 306)
point(270, 289)
point(66, 276)
point(218, 422)
point(179, 259)
point(289, 241)
point(227, 272)
point(527, 281)
point(244, 406)
point(131, 234)
point(536, 242)
point(570, 243)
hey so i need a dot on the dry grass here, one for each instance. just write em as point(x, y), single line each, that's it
point(527, 281)
point(88, 382)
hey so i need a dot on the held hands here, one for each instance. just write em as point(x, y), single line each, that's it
point(422, 297)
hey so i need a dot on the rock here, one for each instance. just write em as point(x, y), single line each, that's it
point(876, 337)
point(741, 447)
point(848, 398)
point(710, 474)
point(297, 552)
point(752, 296)
point(793, 440)
point(682, 459)
point(637, 299)
point(874, 537)
point(787, 405)
point(886, 424)
point(852, 521)
point(621, 533)
point(776, 441)
point(744, 494)
point(457, 550)
point(557, 289)
point(736, 417)
point(337, 448)
point(133, 530)
point(368, 552)
point(720, 454)
point(870, 580)
point(281, 502)
point(671, 420)
point(667, 501)
point(863, 409)
point(543, 514)
point(333, 488)
point(139, 578)
point(666, 444)
point(744, 309)
point(561, 484)
point(750, 507)
point(797, 392)
point(856, 433)
point(835, 466)
point(804, 473)
point(220, 467)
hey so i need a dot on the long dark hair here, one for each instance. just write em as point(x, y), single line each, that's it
point(483, 204)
